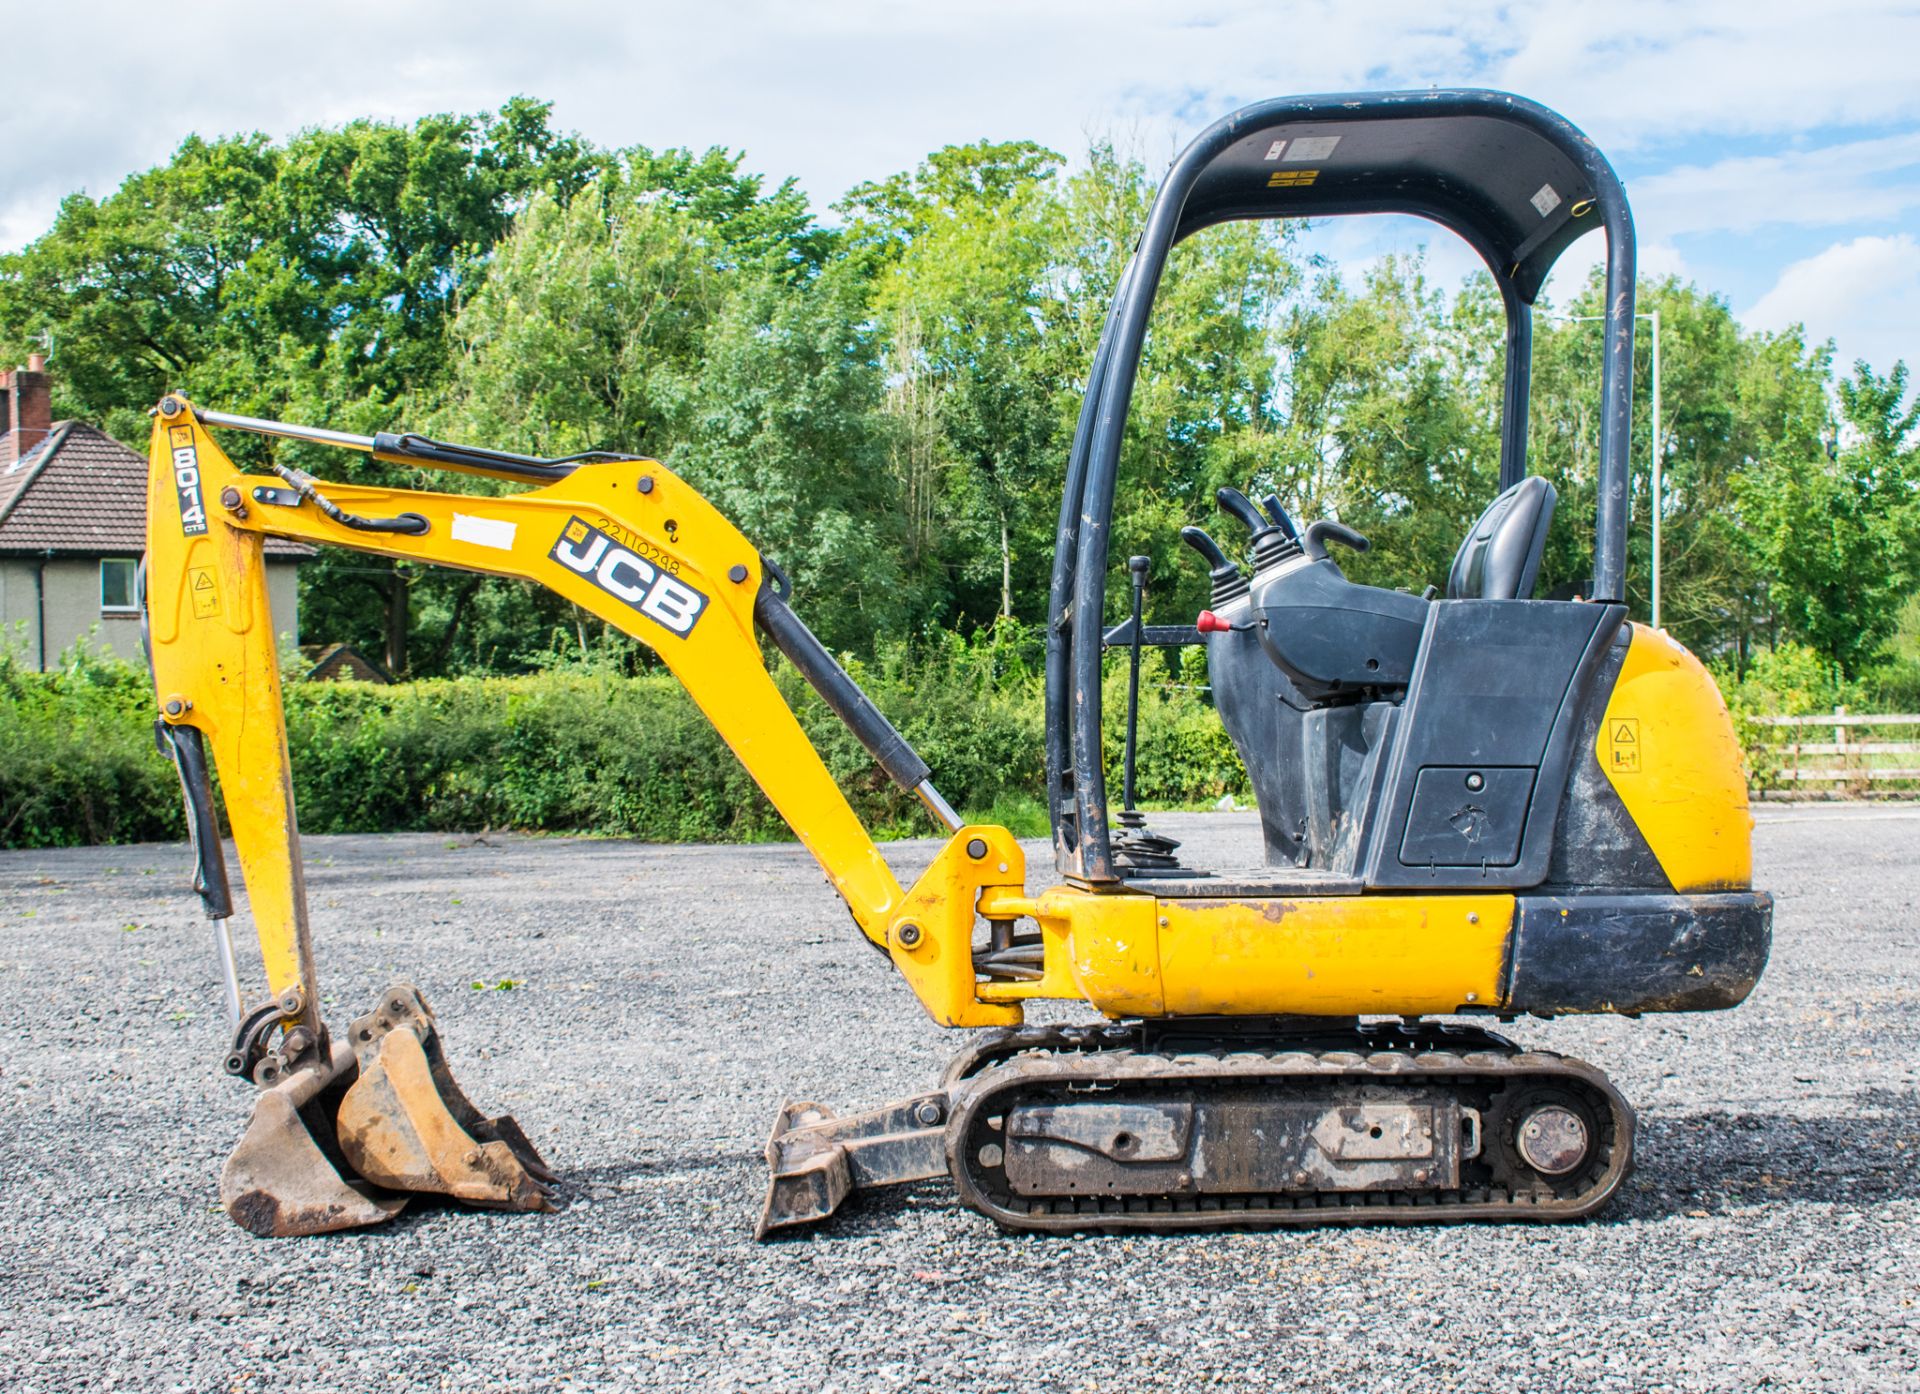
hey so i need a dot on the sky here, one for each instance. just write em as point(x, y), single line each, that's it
point(1771, 151)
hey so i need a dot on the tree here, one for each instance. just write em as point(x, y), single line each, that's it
point(691, 325)
point(784, 434)
point(887, 407)
point(1836, 531)
point(153, 286)
point(958, 252)
point(1391, 416)
point(321, 273)
point(768, 231)
point(314, 280)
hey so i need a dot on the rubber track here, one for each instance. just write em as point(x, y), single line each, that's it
point(1064, 1061)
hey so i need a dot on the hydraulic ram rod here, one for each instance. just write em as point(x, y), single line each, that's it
point(316, 435)
point(406, 448)
point(824, 674)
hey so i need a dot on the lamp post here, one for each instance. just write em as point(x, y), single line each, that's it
point(1656, 485)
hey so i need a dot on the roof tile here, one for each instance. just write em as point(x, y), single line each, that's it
point(83, 491)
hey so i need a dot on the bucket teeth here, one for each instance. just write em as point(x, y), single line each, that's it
point(280, 1180)
point(406, 1125)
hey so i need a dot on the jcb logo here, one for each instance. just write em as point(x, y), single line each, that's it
point(664, 599)
point(186, 482)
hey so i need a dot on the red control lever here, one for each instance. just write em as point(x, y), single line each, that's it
point(1210, 623)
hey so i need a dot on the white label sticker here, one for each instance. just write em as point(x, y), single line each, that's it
point(484, 532)
point(1546, 200)
point(1273, 151)
point(1309, 148)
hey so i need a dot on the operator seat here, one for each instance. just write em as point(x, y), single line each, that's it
point(1500, 559)
point(1338, 641)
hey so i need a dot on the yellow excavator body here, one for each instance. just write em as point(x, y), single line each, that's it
point(1476, 805)
point(344, 1131)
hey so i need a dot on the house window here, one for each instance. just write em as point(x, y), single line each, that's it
point(117, 596)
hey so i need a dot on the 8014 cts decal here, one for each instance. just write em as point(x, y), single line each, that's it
point(186, 481)
point(617, 570)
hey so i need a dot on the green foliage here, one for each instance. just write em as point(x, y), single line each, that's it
point(575, 751)
point(77, 759)
point(604, 754)
point(1839, 533)
point(758, 229)
point(1787, 680)
point(885, 409)
point(956, 258)
point(1401, 390)
point(784, 435)
point(318, 275)
point(1894, 686)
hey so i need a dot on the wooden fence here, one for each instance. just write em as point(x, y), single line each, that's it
point(1836, 752)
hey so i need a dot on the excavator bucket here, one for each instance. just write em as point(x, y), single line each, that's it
point(343, 1143)
point(286, 1176)
point(407, 1126)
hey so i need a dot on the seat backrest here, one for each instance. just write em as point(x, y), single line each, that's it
point(1501, 557)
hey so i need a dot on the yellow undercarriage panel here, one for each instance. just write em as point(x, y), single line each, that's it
point(1333, 956)
point(1134, 955)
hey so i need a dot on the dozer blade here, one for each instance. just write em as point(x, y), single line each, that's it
point(280, 1180)
point(406, 1125)
point(816, 1158)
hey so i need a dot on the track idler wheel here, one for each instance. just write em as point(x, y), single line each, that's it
point(406, 1125)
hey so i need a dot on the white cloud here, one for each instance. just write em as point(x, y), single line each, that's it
point(838, 91)
point(1864, 293)
point(1660, 259)
point(843, 90)
point(1825, 186)
point(1649, 71)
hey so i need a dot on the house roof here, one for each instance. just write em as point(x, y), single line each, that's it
point(82, 492)
point(344, 661)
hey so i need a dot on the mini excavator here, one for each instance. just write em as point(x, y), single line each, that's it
point(1473, 804)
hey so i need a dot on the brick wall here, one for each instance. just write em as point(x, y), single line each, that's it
point(26, 409)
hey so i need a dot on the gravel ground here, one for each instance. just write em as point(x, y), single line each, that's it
point(667, 998)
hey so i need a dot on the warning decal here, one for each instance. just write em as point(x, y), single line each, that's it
point(1623, 744)
point(206, 595)
point(1307, 149)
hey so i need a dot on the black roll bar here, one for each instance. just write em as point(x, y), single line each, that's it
point(1076, 775)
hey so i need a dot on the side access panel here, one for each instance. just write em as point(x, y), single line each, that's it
point(1486, 743)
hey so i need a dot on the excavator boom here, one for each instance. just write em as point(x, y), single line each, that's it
point(625, 540)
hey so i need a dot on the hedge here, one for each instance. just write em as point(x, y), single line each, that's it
point(578, 752)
